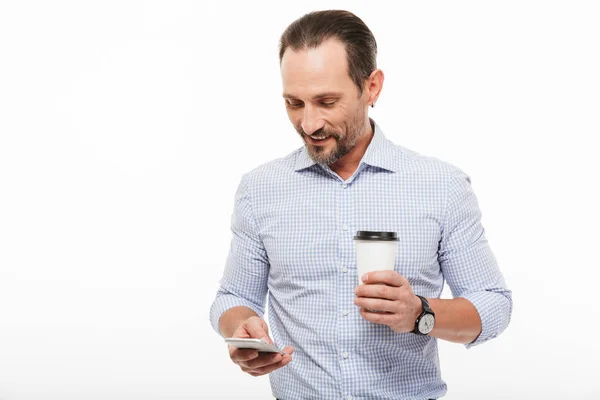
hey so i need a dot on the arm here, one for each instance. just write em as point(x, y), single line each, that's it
point(243, 288)
point(456, 320)
point(482, 303)
point(239, 305)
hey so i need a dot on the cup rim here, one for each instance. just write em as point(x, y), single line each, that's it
point(376, 236)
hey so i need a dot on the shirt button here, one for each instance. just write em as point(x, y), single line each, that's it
point(348, 397)
point(346, 312)
point(344, 185)
point(345, 354)
point(344, 227)
point(344, 269)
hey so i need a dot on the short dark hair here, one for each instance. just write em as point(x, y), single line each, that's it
point(310, 30)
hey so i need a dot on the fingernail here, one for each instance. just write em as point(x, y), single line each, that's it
point(356, 290)
point(365, 277)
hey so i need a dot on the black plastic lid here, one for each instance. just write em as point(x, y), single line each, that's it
point(369, 235)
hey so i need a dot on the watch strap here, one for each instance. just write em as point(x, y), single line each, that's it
point(425, 309)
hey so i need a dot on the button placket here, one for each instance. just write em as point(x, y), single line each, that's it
point(345, 211)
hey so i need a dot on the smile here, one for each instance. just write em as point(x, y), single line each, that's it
point(318, 141)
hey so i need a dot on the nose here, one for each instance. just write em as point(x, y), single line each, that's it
point(311, 120)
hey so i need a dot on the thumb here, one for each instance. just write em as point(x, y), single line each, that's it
point(257, 328)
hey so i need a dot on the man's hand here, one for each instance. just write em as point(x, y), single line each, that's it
point(390, 292)
point(251, 361)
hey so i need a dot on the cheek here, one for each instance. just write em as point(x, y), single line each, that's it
point(340, 113)
point(338, 118)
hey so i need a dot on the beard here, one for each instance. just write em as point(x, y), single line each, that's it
point(344, 142)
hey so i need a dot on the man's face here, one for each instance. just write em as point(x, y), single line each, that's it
point(322, 101)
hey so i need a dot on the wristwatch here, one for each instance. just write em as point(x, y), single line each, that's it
point(426, 320)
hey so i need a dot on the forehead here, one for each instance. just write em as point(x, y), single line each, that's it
point(306, 72)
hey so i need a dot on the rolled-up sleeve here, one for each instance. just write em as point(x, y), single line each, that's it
point(467, 262)
point(244, 281)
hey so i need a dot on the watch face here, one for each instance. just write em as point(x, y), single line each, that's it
point(426, 324)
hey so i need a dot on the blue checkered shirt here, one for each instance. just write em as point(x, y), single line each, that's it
point(293, 227)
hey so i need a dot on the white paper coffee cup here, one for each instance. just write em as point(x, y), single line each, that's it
point(375, 251)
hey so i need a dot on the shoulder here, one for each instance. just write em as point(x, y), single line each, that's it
point(412, 162)
point(272, 172)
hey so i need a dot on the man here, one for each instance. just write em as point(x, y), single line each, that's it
point(293, 228)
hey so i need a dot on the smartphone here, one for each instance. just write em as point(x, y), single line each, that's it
point(256, 344)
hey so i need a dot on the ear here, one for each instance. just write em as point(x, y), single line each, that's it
point(373, 86)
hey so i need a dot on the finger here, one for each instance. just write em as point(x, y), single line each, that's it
point(241, 354)
point(377, 290)
point(389, 277)
point(377, 318)
point(256, 328)
point(263, 360)
point(270, 368)
point(288, 350)
point(375, 304)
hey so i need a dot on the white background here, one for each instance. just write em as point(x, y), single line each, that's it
point(125, 128)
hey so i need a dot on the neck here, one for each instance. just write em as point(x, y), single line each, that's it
point(348, 164)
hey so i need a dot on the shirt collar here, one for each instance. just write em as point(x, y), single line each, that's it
point(379, 154)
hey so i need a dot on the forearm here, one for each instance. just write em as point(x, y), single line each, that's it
point(456, 320)
point(232, 318)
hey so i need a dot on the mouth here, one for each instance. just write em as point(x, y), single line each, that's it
point(317, 141)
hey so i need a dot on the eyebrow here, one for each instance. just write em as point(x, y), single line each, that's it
point(315, 97)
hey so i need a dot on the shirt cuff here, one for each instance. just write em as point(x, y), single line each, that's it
point(494, 310)
point(226, 301)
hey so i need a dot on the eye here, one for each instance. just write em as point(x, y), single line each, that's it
point(294, 104)
point(328, 103)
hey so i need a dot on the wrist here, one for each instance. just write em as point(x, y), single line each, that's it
point(425, 322)
point(417, 307)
